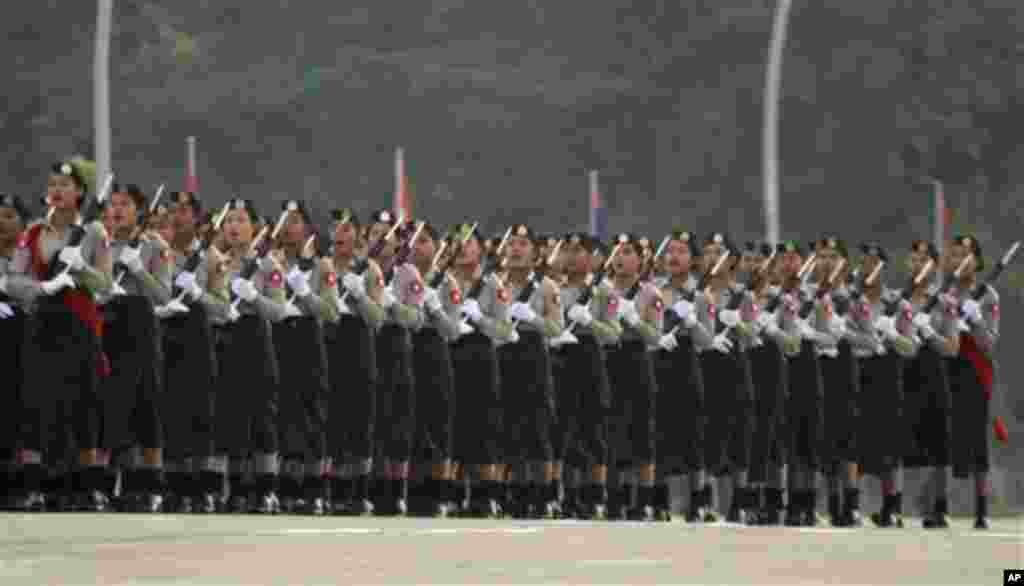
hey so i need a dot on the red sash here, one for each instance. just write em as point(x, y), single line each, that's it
point(984, 370)
point(79, 302)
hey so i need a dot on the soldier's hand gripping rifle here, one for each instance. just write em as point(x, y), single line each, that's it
point(259, 249)
point(823, 289)
point(588, 292)
point(893, 307)
point(305, 263)
point(140, 229)
point(363, 264)
point(408, 242)
point(87, 215)
point(672, 320)
point(948, 283)
point(536, 276)
point(492, 265)
point(439, 275)
point(979, 292)
point(648, 270)
point(196, 255)
point(805, 270)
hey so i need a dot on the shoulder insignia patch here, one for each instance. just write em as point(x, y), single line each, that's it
point(659, 305)
point(276, 279)
point(456, 296)
point(995, 311)
point(23, 239)
point(613, 304)
point(502, 294)
point(332, 279)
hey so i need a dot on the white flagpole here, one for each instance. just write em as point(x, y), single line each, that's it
point(770, 134)
point(191, 179)
point(399, 198)
point(101, 87)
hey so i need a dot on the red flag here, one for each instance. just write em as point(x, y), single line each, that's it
point(1002, 433)
point(191, 180)
point(984, 370)
point(402, 198)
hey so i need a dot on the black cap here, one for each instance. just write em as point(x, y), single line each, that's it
point(296, 206)
point(971, 243)
point(344, 216)
point(720, 239)
point(383, 217)
point(9, 200)
point(586, 241)
point(247, 205)
point(69, 170)
point(793, 246)
point(523, 231)
point(460, 231)
point(874, 249)
point(834, 243)
point(628, 239)
point(927, 248)
point(188, 198)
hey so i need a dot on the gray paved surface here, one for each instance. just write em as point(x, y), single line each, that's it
point(128, 549)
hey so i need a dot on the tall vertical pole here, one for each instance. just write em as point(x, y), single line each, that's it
point(191, 178)
point(770, 134)
point(101, 87)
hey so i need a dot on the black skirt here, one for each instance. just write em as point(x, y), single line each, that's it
point(352, 398)
point(435, 396)
point(841, 376)
point(805, 411)
point(729, 403)
point(478, 419)
point(247, 392)
point(132, 395)
point(12, 338)
point(584, 398)
point(396, 393)
point(302, 356)
point(632, 424)
point(971, 421)
point(770, 371)
point(883, 431)
point(527, 398)
point(681, 417)
point(190, 384)
point(927, 404)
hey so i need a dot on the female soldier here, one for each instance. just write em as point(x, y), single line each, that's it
point(926, 383)
point(478, 421)
point(190, 358)
point(584, 394)
point(13, 217)
point(352, 364)
point(302, 356)
point(631, 373)
point(63, 356)
point(528, 394)
point(971, 371)
point(434, 376)
point(247, 402)
point(132, 394)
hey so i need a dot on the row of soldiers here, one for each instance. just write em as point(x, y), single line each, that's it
point(170, 358)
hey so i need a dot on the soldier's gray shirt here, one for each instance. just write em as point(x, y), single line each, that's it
point(22, 284)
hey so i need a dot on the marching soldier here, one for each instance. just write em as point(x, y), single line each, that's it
point(478, 418)
point(631, 374)
point(926, 381)
point(885, 319)
point(59, 267)
point(13, 216)
point(133, 393)
point(191, 366)
point(247, 397)
point(840, 372)
point(971, 371)
point(434, 376)
point(681, 416)
point(527, 393)
point(351, 349)
point(302, 356)
point(584, 394)
point(396, 393)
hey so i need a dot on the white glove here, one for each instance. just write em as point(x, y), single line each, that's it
point(131, 257)
point(683, 309)
point(3, 283)
point(628, 312)
point(465, 328)
point(962, 325)
point(299, 282)
point(522, 312)
point(512, 339)
point(6, 311)
point(471, 308)
point(806, 331)
point(58, 284)
point(926, 331)
point(922, 320)
point(233, 314)
point(172, 307)
point(838, 325)
point(764, 318)
point(668, 342)
point(72, 256)
point(343, 307)
point(432, 300)
point(880, 349)
point(580, 315)
point(388, 298)
point(117, 289)
point(244, 289)
point(729, 317)
point(187, 282)
point(722, 343)
point(291, 311)
point(562, 339)
point(887, 326)
point(972, 310)
point(354, 284)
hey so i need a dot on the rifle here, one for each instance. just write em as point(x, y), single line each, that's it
point(492, 265)
point(192, 262)
point(258, 249)
point(143, 225)
point(536, 276)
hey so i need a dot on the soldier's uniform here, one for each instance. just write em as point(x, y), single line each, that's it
point(12, 337)
point(352, 364)
point(302, 356)
point(247, 408)
point(971, 375)
point(527, 389)
point(190, 374)
point(584, 394)
point(927, 393)
point(132, 396)
point(478, 418)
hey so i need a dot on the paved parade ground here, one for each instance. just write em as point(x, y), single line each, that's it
point(130, 549)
